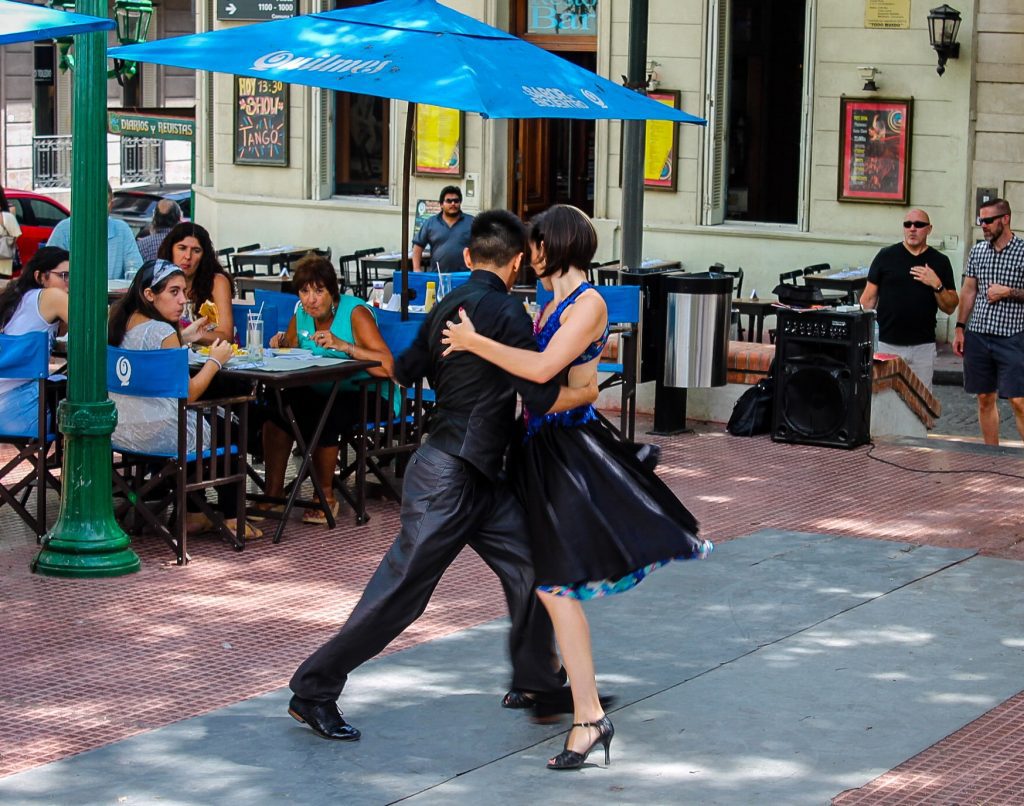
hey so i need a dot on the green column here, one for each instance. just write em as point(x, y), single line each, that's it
point(86, 540)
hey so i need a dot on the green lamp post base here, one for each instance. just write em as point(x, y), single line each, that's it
point(86, 541)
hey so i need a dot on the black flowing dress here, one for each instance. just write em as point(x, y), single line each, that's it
point(600, 521)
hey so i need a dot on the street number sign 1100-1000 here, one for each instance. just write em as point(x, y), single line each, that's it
point(255, 9)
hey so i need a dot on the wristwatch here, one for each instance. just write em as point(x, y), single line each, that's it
point(940, 289)
point(961, 325)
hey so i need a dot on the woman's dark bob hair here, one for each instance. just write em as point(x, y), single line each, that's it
point(316, 271)
point(568, 237)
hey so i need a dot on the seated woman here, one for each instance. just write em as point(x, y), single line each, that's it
point(147, 318)
point(208, 288)
point(328, 324)
point(36, 301)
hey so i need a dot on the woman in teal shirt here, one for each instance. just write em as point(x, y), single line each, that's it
point(328, 324)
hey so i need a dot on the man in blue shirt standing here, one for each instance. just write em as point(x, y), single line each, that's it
point(123, 255)
point(447, 235)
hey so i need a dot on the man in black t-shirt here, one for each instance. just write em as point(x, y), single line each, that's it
point(909, 283)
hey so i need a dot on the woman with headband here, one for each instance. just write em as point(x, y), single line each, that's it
point(148, 318)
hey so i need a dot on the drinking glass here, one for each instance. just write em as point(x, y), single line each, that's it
point(254, 339)
point(444, 285)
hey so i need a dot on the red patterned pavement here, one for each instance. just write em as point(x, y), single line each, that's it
point(87, 662)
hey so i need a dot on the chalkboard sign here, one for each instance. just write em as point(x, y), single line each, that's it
point(261, 122)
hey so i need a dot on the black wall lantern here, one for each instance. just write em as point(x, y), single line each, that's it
point(943, 26)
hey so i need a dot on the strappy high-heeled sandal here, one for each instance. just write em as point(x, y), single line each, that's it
point(571, 760)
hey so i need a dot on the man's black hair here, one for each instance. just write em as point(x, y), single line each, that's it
point(496, 237)
point(453, 189)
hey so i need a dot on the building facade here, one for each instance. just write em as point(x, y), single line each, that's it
point(775, 181)
point(35, 95)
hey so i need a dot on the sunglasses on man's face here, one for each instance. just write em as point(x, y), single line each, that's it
point(988, 219)
point(453, 201)
point(915, 224)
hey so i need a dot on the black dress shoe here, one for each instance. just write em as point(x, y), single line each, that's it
point(324, 718)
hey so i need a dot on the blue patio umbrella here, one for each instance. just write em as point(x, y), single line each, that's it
point(21, 22)
point(413, 50)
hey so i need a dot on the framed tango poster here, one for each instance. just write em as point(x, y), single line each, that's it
point(662, 145)
point(874, 150)
point(438, 141)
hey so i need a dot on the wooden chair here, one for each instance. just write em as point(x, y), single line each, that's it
point(224, 257)
point(791, 277)
point(349, 277)
point(238, 264)
point(150, 484)
point(737, 287)
point(27, 358)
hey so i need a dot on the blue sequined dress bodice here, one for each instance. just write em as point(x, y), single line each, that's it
point(582, 414)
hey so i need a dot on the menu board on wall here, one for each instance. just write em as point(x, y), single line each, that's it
point(261, 122)
point(887, 14)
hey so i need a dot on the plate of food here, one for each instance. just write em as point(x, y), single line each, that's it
point(235, 350)
point(291, 352)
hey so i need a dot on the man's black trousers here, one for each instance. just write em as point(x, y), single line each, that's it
point(446, 505)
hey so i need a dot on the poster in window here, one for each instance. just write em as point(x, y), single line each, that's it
point(874, 150)
point(438, 141)
point(261, 122)
point(662, 145)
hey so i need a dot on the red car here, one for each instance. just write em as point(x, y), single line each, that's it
point(38, 215)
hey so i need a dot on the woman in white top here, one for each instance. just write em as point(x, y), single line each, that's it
point(36, 301)
point(9, 228)
point(147, 318)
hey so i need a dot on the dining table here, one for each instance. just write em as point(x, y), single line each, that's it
point(849, 281)
point(273, 259)
point(384, 264)
point(286, 369)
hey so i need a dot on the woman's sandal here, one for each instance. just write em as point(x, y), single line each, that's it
point(319, 517)
point(261, 512)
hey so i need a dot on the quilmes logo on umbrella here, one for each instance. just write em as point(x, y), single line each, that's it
point(286, 60)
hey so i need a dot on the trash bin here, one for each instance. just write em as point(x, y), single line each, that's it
point(697, 313)
point(652, 330)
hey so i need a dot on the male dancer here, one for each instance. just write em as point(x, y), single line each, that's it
point(452, 495)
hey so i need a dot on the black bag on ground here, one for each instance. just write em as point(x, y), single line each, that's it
point(752, 414)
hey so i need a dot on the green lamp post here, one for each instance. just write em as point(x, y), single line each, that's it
point(86, 540)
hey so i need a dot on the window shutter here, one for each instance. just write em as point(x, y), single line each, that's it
point(322, 103)
point(717, 113)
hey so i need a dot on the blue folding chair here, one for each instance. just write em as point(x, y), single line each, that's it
point(151, 482)
point(418, 282)
point(27, 358)
point(390, 426)
point(624, 311)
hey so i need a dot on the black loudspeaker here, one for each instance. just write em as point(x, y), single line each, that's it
point(823, 378)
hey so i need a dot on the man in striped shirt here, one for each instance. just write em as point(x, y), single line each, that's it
point(990, 325)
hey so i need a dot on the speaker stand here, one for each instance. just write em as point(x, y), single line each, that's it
point(669, 411)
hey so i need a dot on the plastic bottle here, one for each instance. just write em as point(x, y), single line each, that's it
point(431, 297)
point(377, 294)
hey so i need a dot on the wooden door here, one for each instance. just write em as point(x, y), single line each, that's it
point(532, 185)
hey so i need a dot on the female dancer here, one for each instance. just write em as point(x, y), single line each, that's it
point(37, 300)
point(188, 246)
point(600, 520)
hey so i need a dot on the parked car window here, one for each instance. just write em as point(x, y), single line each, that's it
point(19, 211)
point(46, 214)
